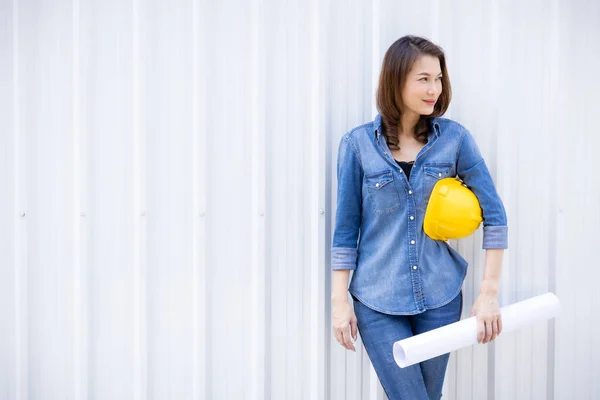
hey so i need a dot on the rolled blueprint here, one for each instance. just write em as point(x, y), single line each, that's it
point(463, 333)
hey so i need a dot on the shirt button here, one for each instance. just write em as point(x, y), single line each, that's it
point(377, 185)
point(411, 217)
point(410, 192)
point(440, 174)
point(414, 267)
point(412, 242)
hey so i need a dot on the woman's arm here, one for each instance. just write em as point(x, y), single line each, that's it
point(472, 169)
point(486, 308)
point(339, 285)
point(344, 248)
point(343, 319)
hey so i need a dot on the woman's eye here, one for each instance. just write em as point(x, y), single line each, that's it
point(423, 79)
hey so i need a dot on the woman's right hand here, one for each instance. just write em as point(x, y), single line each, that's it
point(344, 323)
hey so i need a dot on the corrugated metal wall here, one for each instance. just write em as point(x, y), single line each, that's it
point(167, 191)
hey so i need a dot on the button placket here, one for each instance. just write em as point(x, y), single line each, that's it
point(412, 253)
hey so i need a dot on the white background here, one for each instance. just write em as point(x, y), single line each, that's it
point(167, 191)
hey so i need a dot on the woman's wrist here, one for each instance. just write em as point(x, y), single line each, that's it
point(489, 287)
point(340, 297)
point(339, 287)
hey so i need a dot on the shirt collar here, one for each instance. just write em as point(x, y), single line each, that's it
point(378, 122)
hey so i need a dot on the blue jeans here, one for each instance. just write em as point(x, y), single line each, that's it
point(379, 331)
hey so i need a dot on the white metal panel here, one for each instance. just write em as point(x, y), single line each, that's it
point(200, 345)
point(111, 265)
point(259, 323)
point(228, 194)
point(168, 191)
point(11, 223)
point(578, 206)
point(44, 244)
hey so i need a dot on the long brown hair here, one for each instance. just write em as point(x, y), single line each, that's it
point(397, 63)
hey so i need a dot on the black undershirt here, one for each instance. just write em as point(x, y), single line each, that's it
point(406, 167)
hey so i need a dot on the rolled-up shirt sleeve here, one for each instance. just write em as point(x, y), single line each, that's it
point(344, 250)
point(471, 168)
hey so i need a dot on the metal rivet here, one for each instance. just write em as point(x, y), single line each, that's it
point(412, 242)
point(414, 267)
point(411, 217)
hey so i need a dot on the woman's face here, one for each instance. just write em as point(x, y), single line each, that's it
point(423, 86)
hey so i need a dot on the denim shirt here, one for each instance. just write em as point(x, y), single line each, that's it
point(378, 231)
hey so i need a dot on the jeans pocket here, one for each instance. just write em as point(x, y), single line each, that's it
point(382, 192)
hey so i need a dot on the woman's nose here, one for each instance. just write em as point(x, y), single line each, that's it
point(432, 89)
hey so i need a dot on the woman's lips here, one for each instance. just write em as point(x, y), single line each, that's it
point(430, 102)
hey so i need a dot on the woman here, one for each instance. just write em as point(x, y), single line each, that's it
point(405, 283)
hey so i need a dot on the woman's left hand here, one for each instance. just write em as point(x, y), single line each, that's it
point(489, 318)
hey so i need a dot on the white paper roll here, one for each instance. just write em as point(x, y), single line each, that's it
point(463, 333)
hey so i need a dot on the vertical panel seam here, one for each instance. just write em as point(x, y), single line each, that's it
point(139, 224)
point(551, 339)
point(20, 227)
point(80, 305)
point(318, 213)
point(201, 334)
point(259, 375)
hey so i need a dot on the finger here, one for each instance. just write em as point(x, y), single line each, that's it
point(341, 331)
point(494, 329)
point(480, 329)
point(354, 327)
point(347, 339)
point(337, 335)
point(488, 331)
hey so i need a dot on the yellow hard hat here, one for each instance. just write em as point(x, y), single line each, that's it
point(453, 211)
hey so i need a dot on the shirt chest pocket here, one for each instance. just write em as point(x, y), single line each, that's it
point(433, 173)
point(380, 190)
